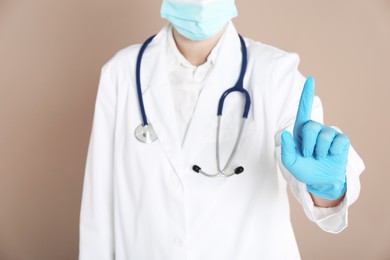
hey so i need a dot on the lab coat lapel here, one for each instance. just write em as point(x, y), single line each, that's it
point(203, 126)
point(158, 100)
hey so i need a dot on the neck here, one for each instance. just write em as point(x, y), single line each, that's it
point(196, 52)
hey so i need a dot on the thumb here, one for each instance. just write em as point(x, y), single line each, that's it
point(289, 153)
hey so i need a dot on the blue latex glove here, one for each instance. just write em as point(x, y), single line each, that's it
point(316, 154)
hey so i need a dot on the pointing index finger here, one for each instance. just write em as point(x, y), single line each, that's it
point(305, 105)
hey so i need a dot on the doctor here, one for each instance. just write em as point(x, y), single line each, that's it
point(145, 201)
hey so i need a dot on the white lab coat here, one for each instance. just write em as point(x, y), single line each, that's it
point(144, 201)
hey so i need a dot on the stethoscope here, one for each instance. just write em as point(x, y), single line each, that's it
point(146, 134)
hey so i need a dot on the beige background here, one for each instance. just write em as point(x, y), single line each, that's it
point(51, 53)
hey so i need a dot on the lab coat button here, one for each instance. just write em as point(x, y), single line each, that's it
point(178, 242)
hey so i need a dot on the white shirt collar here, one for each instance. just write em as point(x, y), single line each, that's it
point(180, 59)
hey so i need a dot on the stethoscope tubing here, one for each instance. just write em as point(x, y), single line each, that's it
point(239, 86)
point(146, 134)
point(138, 80)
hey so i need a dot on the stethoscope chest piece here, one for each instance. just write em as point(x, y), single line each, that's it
point(145, 134)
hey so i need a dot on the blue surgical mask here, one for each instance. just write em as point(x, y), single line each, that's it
point(198, 19)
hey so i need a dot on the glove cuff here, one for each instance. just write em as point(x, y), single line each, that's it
point(328, 191)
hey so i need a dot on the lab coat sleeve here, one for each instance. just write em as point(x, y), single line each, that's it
point(287, 84)
point(96, 215)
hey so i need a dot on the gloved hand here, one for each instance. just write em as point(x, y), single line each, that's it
point(316, 154)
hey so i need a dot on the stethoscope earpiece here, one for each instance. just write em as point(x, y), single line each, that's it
point(196, 168)
point(239, 170)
